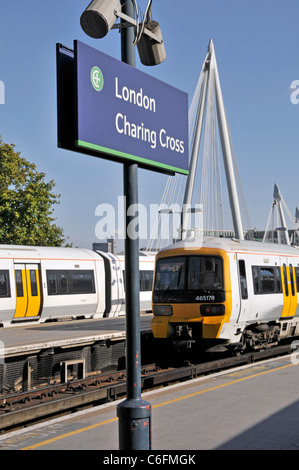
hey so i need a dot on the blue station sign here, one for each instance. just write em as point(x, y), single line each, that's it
point(122, 113)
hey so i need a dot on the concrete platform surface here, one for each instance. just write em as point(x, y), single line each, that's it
point(28, 337)
point(253, 407)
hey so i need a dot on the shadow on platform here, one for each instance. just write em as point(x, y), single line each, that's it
point(279, 432)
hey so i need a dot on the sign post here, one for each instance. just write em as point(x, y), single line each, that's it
point(134, 413)
point(108, 109)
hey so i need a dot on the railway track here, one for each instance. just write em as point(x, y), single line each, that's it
point(23, 409)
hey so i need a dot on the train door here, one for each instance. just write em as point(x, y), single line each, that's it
point(28, 290)
point(289, 289)
point(117, 287)
point(294, 297)
point(245, 296)
point(114, 288)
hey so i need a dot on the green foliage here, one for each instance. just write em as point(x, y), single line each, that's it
point(26, 202)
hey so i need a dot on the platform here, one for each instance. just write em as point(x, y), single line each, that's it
point(29, 337)
point(39, 355)
point(253, 407)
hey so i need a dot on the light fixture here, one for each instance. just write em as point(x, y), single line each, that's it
point(150, 51)
point(151, 48)
point(99, 17)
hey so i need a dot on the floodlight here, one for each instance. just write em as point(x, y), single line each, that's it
point(151, 52)
point(99, 17)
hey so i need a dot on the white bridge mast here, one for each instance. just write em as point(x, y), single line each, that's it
point(212, 79)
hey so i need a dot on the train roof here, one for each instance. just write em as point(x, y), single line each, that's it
point(39, 252)
point(50, 252)
point(234, 245)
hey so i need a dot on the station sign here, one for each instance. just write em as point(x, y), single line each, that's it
point(119, 112)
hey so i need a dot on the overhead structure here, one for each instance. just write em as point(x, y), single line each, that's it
point(295, 240)
point(211, 81)
point(277, 230)
point(209, 136)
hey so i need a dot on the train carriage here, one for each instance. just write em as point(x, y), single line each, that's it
point(46, 283)
point(226, 293)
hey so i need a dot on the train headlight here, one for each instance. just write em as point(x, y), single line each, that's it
point(162, 310)
point(212, 310)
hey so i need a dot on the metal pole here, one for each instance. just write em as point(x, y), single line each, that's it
point(134, 413)
point(194, 154)
point(227, 155)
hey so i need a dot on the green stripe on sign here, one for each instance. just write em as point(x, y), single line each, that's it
point(117, 153)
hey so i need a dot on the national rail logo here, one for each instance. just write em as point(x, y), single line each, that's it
point(96, 78)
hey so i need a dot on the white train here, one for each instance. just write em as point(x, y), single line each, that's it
point(39, 284)
point(226, 293)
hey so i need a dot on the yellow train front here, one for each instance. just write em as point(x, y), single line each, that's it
point(224, 293)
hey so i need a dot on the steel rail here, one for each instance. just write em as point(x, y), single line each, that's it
point(26, 408)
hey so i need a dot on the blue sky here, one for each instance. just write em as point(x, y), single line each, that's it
point(257, 52)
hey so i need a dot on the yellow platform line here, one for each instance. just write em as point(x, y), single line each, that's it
point(168, 402)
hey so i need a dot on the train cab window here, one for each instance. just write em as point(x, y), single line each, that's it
point(190, 273)
point(4, 283)
point(205, 272)
point(170, 274)
point(19, 283)
point(243, 280)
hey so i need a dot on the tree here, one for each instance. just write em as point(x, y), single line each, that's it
point(26, 202)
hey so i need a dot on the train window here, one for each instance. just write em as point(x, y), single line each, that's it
point(19, 282)
point(285, 279)
point(292, 280)
point(243, 280)
point(297, 278)
point(146, 280)
point(4, 283)
point(82, 282)
point(278, 279)
point(191, 273)
point(266, 280)
point(52, 283)
point(33, 283)
point(62, 282)
point(170, 274)
point(205, 272)
point(255, 276)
